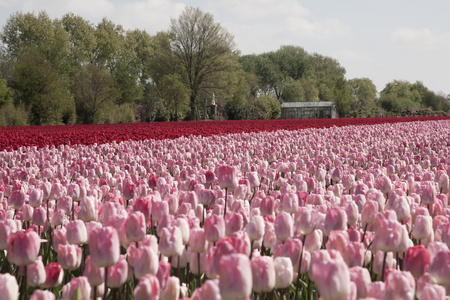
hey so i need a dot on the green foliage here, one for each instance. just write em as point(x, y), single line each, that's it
point(95, 90)
point(175, 96)
point(11, 115)
point(342, 99)
point(5, 93)
point(41, 90)
point(262, 108)
point(25, 33)
point(202, 52)
point(363, 93)
point(392, 103)
point(123, 113)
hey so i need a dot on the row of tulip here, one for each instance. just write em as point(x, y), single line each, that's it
point(41, 136)
point(338, 213)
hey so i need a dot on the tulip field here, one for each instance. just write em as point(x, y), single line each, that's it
point(279, 209)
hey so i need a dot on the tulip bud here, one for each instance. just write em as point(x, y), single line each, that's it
point(104, 246)
point(235, 279)
point(284, 272)
point(263, 272)
point(147, 288)
point(78, 287)
point(9, 289)
point(23, 247)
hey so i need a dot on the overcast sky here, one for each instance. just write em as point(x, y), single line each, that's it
point(379, 39)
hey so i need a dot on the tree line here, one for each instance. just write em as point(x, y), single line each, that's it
point(68, 71)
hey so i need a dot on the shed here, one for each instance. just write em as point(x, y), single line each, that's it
point(308, 110)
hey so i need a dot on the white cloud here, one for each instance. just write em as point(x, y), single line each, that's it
point(414, 35)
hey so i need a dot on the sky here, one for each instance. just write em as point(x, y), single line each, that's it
point(383, 40)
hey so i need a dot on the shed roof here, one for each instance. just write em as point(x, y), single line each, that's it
point(306, 104)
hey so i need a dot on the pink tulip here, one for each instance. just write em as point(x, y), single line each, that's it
point(35, 198)
point(291, 248)
point(65, 204)
point(23, 247)
point(171, 242)
point(400, 285)
point(147, 289)
point(284, 225)
point(263, 274)
point(104, 246)
point(335, 219)
point(39, 216)
point(267, 206)
point(95, 276)
point(118, 273)
point(76, 232)
point(128, 188)
point(163, 273)
point(227, 177)
point(88, 210)
point(36, 273)
point(438, 268)
point(433, 292)
point(58, 219)
point(197, 240)
point(69, 256)
point(56, 191)
point(172, 289)
point(428, 195)
point(214, 228)
point(194, 262)
point(135, 227)
point(7, 227)
point(289, 202)
point(332, 279)
point(42, 295)
point(361, 277)
point(390, 236)
point(77, 287)
point(255, 228)
point(73, 190)
point(9, 289)
point(54, 274)
point(17, 199)
point(423, 226)
point(233, 222)
point(235, 279)
point(284, 272)
point(146, 262)
point(416, 260)
point(376, 290)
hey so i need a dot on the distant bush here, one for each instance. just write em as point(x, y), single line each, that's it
point(11, 115)
point(116, 114)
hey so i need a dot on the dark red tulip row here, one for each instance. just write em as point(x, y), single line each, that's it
point(40, 136)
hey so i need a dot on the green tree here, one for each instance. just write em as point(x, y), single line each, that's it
point(95, 90)
point(41, 90)
point(364, 93)
point(5, 93)
point(82, 39)
point(203, 51)
point(175, 96)
point(342, 98)
point(326, 72)
point(399, 95)
point(25, 33)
